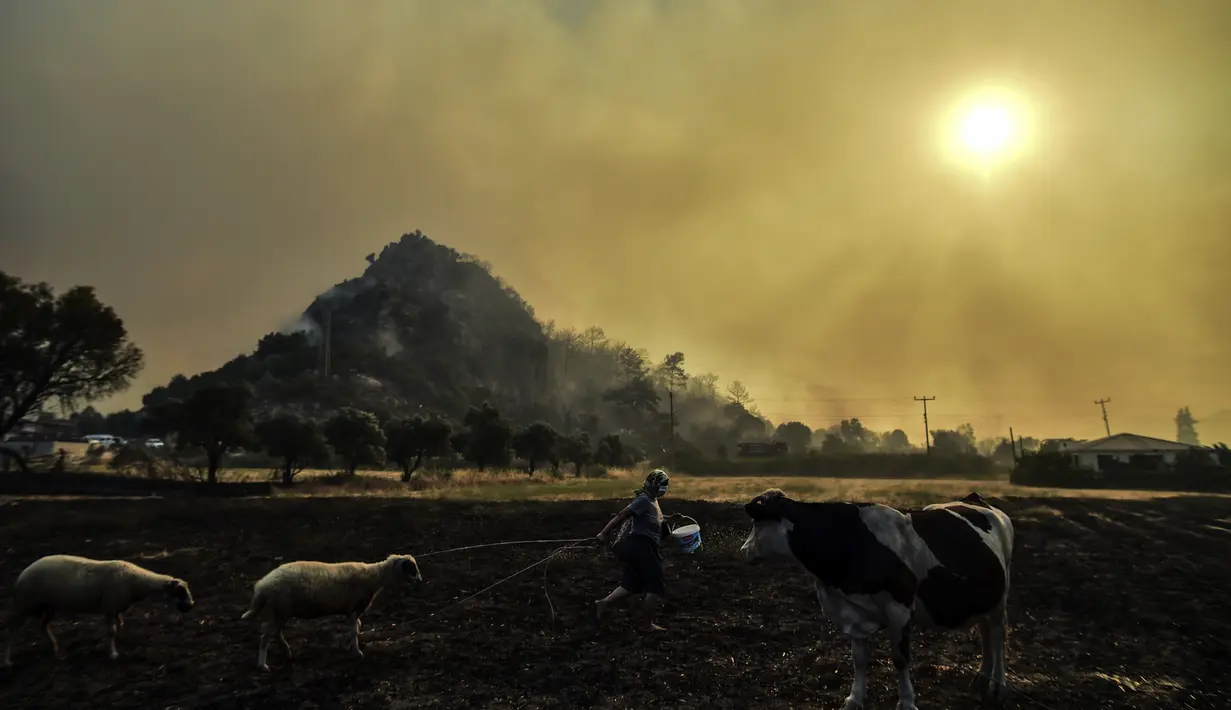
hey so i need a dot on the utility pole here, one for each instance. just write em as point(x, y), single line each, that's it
point(1013, 446)
point(927, 435)
point(1103, 403)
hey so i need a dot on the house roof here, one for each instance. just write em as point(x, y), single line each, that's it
point(1129, 443)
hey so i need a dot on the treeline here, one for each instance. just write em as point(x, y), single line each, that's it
point(218, 421)
point(850, 465)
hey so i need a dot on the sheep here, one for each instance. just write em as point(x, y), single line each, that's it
point(67, 584)
point(310, 590)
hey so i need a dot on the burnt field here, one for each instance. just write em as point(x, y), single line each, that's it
point(1115, 604)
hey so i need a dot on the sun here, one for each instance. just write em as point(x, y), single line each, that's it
point(988, 128)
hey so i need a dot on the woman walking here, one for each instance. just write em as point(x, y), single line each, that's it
point(642, 527)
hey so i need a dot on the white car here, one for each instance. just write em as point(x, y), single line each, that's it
point(104, 440)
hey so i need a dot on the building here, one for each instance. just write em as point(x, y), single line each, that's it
point(1130, 450)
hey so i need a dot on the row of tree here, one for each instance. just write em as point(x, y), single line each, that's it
point(219, 419)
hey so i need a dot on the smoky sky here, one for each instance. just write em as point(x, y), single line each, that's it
point(758, 184)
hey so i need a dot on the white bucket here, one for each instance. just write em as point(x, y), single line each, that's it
point(688, 538)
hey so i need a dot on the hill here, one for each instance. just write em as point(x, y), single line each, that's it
point(426, 328)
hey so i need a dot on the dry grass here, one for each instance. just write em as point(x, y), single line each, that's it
point(473, 485)
point(516, 486)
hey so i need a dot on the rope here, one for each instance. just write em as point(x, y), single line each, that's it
point(511, 576)
point(497, 544)
point(550, 606)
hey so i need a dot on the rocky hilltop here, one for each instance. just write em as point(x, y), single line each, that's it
point(424, 326)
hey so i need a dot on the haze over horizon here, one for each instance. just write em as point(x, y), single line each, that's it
point(761, 186)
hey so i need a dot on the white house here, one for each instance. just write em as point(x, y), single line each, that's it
point(1145, 451)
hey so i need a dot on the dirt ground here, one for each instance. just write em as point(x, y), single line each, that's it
point(1115, 604)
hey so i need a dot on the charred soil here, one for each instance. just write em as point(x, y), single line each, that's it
point(1114, 604)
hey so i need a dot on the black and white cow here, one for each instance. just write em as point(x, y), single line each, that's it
point(945, 567)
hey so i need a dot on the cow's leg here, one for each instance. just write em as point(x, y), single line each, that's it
point(998, 688)
point(983, 678)
point(899, 639)
point(861, 653)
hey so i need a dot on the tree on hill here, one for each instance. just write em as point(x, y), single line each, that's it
point(296, 441)
point(217, 418)
point(705, 385)
point(670, 372)
point(635, 392)
point(356, 438)
point(576, 450)
point(488, 434)
point(1186, 427)
point(743, 425)
point(796, 435)
point(535, 443)
point(69, 348)
point(738, 393)
point(413, 439)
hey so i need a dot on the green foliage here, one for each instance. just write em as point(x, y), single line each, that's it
point(68, 349)
point(895, 442)
point(535, 443)
point(611, 452)
point(297, 442)
point(412, 439)
point(670, 372)
point(576, 450)
point(216, 419)
point(796, 435)
point(954, 442)
point(487, 437)
point(356, 438)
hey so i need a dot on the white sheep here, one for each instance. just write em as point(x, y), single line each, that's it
point(66, 584)
point(310, 590)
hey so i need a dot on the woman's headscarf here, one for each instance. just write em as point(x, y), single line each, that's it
point(655, 484)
